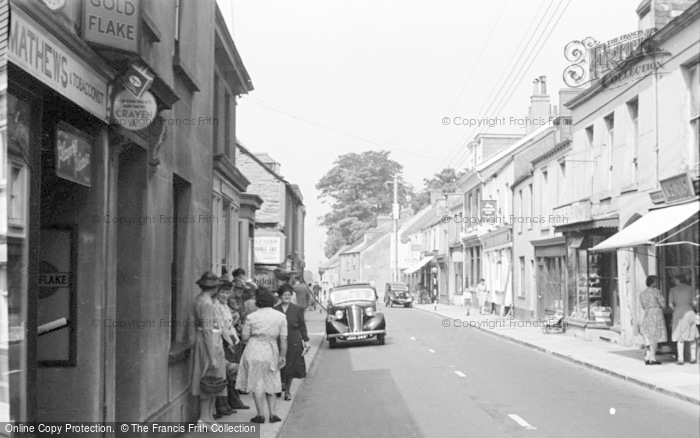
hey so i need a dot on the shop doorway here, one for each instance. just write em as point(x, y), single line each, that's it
point(130, 199)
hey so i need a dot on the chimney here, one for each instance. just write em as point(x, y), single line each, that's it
point(435, 196)
point(540, 109)
point(406, 212)
point(655, 14)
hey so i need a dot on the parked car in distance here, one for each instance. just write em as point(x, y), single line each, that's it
point(397, 293)
point(352, 315)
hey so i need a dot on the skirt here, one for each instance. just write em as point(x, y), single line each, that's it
point(653, 326)
point(201, 362)
point(295, 367)
point(684, 328)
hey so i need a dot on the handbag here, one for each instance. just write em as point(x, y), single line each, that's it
point(235, 355)
point(212, 384)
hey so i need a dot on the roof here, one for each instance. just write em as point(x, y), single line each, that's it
point(361, 245)
point(292, 187)
point(428, 216)
point(512, 148)
point(335, 258)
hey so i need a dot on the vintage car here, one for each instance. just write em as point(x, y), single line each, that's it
point(352, 315)
point(397, 293)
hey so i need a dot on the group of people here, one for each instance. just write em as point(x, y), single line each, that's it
point(683, 301)
point(250, 337)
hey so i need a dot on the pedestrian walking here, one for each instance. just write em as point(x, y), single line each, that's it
point(681, 300)
point(653, 326)
point(482, 295)
point(297, 339)
point(262, 359)
point(209, 358)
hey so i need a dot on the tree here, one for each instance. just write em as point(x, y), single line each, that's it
point(358, 191)
point(445, 181)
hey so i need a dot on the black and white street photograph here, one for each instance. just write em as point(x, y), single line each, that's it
point(335, 218)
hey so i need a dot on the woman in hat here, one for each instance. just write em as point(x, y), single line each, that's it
point(208, 349)
point(297, 339)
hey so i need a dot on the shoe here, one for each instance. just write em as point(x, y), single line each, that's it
point(275, 419)
point(278, 394)
point(654, 362)
point(242, 406)
point(287, 396)
point(679, 363)
point(693, 362)
point(257, 419)
point(647, 362)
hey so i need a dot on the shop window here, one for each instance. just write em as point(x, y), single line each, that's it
point(681, 258)
point(596, 295)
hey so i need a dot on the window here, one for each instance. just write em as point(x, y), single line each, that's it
point(227, 124)
point(520, 211)
point(561, 187)
point(17, 191)
point(215, 126)
point(589, 136)
point(544, 197)
point(610, 126)
point(521, 289)
point(530, 211)
point(633, 108)
point(694, 89)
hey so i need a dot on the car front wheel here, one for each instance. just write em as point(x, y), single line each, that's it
point(332, 343)
point(408, 305)
point(380, 339)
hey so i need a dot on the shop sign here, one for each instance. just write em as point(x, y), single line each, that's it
point(73, 153)
point(132, 112)
point(268, 250)
point(550, 251)
point(55, 5)
point(677, 188)
point(113, 23)
point(265, 278)
point(37, 52)
point(137, 80)
point(488, 208)
point(575, 212)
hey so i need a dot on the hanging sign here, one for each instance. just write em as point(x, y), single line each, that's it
point(137, 80)
point(133, 112)
point(113, 23)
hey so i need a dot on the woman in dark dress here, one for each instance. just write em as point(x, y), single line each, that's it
point(297, 339)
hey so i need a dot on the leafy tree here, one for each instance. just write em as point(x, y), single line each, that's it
point(358, 190)
point(445, 181)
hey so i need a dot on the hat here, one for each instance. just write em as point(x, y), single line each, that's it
point(226, 281)
point(208, 279)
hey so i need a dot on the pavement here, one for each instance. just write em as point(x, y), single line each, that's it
point(315, 325)
point(627, 363)
point(431, 380)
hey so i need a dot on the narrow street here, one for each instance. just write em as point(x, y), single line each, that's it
point(431, 381)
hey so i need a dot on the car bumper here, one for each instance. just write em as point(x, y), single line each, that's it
point(371, 327)
point(355, 335)
point(403, 300)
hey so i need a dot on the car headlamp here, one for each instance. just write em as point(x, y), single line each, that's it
point(369, 311)
point(338, 314)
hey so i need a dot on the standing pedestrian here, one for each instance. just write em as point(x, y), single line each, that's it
point(208, 347)
point(482, 295)
point(681, 299)
point(302, 292)
point(653, 326)
point(259, 370)
point(297, 339)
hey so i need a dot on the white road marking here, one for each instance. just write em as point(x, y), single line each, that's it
point(431, 350)
point(521, 422)
point(460, 374)
point(412, 338)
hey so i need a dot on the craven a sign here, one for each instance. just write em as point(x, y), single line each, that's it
point(37, 52)
point(677, 188)
point(113, 23)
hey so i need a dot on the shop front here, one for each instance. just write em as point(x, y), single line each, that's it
point(418, 277)
point(498, 268)
point(664, 242)
point(550, 259)
point(268, 257)
point(592, 299)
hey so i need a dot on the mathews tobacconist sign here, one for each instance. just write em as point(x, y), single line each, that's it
point(113, 23)
point(38, 53)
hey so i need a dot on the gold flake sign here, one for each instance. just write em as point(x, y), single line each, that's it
point(113, 23)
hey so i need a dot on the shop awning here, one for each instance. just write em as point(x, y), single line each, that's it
point(424, 261)
point(650, 226)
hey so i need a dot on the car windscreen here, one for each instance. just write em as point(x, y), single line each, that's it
point(342, 296)
point(399, 287)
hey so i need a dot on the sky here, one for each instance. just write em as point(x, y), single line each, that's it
point(339, 76)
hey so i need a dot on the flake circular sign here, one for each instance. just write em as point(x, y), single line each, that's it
point(132, 112)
